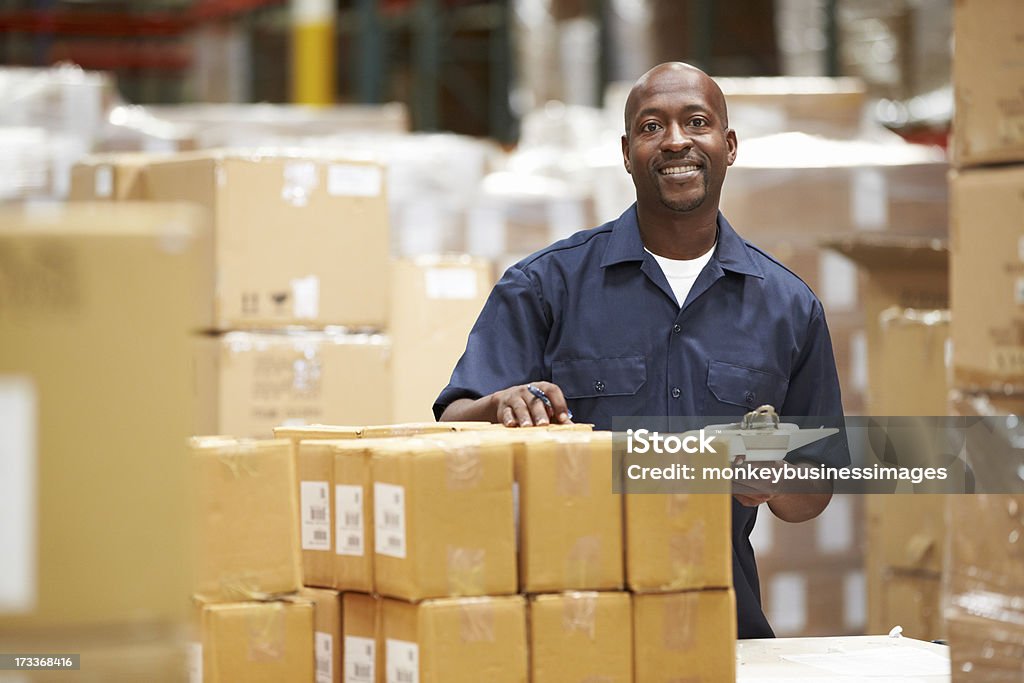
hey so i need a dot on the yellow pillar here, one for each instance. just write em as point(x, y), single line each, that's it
point(313, 66)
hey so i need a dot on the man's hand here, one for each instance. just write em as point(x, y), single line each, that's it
point(513, 407)
point(802, 501)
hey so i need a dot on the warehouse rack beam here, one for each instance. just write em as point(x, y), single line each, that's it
point(832, 38)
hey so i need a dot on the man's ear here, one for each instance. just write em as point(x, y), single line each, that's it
point(733, 143)
point(625, 155)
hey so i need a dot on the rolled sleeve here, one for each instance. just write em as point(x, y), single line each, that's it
point(506, 345)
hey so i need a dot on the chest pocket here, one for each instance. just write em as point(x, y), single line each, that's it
point(598, 377)
point(734, 389)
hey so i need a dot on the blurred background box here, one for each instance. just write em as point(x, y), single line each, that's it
point(97, 302)
point(363, 653)
point(435, 301)
point(988, 122)
point(987, 278)
point(460, 640)
point(251, 382)
point(580, 637)
point(247, 522)
point(327, 634)
point(297, 237)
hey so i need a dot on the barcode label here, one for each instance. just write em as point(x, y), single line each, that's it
point(403, 661)
point(324, 657)
point(195, 663)
point(389, 516)
point(316, 517)
point(348, 512)
point(360, 656)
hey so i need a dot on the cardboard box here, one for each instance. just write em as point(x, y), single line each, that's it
point(905, 274)
point(988, 68)
point(435, 301)
point(678, 541)
point(966, 403)
point(986, 650)
point(690, 635)
point(913, 601)
point(834, 196)
point(363, 652)
point(987, 278)
point(580, 637)
point(443, 516)
point(835, 538)
point(247, 519)
point(907, 531)
point(255, 381)
point(341, 554)
point(913, 374)
point(335, 432)
point(255, 641)
point(456, 640)
point(570, 522)
point(298, 239)
point(815, 599)
point(96, 304)
point(987, 545)
point(111, 176)
point(327, 633)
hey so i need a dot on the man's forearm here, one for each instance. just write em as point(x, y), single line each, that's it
point(471, 410)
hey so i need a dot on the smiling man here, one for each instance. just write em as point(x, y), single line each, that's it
point(664, 311)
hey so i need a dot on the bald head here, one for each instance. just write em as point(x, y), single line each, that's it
point(669, 76)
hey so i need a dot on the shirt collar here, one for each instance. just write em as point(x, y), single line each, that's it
point(625, 245)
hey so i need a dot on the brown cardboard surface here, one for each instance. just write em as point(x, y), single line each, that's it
point(460, 640)
point(987, 277)
point(691, 634)
point(900, 273)
point(247, 519)
point(297, 239)
point(327, 633)
point(263, 380)
point(96, 304)
point(570, 522)
point(363, 652)
point(912, 601)
point(815, 599)
point(580, 637)
point(907, 531)
point(985, 650)
point(435, 301)
point(912, 377)
point(443, 516)
point(988, 69)
point(111, 176)
point(678, 541)
point(257, 641)
point(987, 551)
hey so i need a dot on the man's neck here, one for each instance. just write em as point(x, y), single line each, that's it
point(677, 235)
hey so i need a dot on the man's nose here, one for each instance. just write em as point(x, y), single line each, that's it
point(676, 139)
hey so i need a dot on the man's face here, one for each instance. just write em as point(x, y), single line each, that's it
point(677, 145)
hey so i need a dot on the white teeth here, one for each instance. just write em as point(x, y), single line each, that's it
point(678, 169)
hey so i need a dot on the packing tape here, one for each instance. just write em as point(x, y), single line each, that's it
point(572, 466)
point(242, 587)
point(464, 467)
point(680, 619)
point(238, 458)
point(476, 620)
point(267, 629)
point(686, 555)
point(1010, 382)
point(579, 613)
point(583, 561)
point(466, 570)
point(895, 315)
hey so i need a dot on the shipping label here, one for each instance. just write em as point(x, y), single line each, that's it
point(324, 648)
point(403, 661)
point(389, 519)
point(316, 515)
point(350, 537)
point(360, 660)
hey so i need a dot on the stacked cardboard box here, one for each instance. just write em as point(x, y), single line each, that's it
point(251, 624)
point(987, 266)
point(97, 304)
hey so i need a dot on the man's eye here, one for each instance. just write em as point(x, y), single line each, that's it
point(698, 122)
point(650, 127)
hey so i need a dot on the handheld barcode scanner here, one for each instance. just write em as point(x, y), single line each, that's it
point(761, 437)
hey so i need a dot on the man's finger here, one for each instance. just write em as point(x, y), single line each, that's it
point(559, 406)
point(538, 410)
point(507, 417)
point(521, 412)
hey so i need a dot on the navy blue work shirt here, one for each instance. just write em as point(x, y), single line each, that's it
point(594, 314)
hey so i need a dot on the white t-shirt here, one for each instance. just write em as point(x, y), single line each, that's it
point(682, 274)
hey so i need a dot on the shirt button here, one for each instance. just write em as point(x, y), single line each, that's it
point(677, 329)
point(598, 386)
point(675, 392)
point(750, 398)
